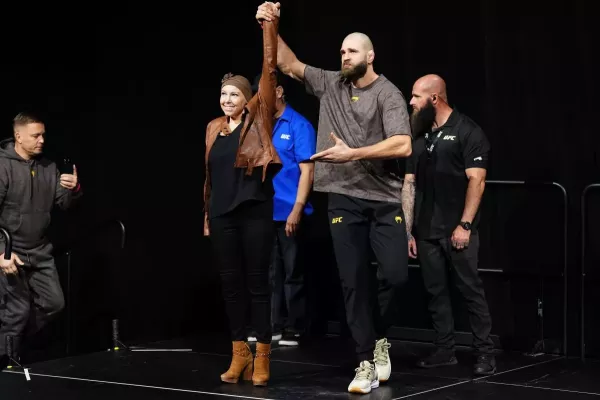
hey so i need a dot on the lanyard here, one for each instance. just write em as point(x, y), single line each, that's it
point(430, 143)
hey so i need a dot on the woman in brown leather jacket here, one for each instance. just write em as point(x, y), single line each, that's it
point(238, 198)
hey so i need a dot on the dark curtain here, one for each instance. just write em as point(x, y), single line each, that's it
point(127, 90)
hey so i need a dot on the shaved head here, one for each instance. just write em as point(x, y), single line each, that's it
point(361, 39)
point(432, 84)
point(430, 103)
point(357, 58)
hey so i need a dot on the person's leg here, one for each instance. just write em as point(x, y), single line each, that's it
point(15, 306)
point(46, 293)
point(295, 294)
point(277, 276)
point(257, 246)
point(390, 246)
point(350, 236)
point(226, 243)
point(467, 280)
point(434, 270)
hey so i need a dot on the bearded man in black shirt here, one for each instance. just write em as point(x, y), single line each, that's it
point(443, 186)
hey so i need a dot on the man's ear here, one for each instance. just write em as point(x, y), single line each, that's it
point(279, 92)
point(370, 56)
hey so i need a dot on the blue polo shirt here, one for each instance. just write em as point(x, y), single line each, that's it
point(295, 140)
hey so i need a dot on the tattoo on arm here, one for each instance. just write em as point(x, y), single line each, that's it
point(408, 201)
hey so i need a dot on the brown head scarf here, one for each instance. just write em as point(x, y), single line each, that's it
point(239, 82)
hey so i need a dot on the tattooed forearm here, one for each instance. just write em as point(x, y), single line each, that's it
point(408, 200)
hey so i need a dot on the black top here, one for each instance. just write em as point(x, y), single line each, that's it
point(230, 186)
point(439, 160)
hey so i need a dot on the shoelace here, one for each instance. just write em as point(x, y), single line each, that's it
point(380, 356)
point(363, 372)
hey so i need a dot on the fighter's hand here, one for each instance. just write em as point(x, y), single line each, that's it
point(9, 267)
point(339, 153)
point(267, 11)
point(69, 181)
point(412, 246)
point(460, 238)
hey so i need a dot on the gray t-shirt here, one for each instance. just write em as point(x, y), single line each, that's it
point(360, 117)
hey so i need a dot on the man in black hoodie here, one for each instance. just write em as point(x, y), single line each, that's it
point(30, 185)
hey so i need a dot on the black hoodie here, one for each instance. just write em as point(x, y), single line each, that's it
point(29, 189)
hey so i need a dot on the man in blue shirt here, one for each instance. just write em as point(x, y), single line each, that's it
point(294, 139)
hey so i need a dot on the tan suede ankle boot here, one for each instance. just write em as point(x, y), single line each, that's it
point(240, 362)
point(261, 364)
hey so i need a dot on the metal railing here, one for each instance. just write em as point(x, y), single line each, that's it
point(68, 253)
point(565, 247)
point(8, 246)
point(9, 340)
point(565, 241)
point(586, 190)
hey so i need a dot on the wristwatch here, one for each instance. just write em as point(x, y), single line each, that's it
point(465, 225)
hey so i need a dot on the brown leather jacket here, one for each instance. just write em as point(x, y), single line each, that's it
point(256, 147)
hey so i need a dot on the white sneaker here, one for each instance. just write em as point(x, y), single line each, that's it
point(275, 337)
point(381, 358)
point(365, 379)
point(289, 339)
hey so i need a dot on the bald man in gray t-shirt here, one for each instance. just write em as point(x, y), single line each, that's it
point(364, 132)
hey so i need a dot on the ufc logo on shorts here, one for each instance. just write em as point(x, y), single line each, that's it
point(336, 220)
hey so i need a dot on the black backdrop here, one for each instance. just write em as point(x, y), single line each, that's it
point(127, 90)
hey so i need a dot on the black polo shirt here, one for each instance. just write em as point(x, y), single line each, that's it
point(439, 160)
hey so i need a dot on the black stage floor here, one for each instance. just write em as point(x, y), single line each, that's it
point(321, 369)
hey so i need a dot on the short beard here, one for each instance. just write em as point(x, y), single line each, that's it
point(357, 72)
point(421, 121)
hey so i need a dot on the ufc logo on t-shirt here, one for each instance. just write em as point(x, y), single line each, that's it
point(285, 136)
point(449, 137)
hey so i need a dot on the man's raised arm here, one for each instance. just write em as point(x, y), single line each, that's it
point(287, 62)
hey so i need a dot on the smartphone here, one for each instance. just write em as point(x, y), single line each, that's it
point(66, 166)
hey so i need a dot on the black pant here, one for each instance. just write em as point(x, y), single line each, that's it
point(31, 298)
point(356, 227)
point(242, 241)
point(287, 280)
point(440, 263)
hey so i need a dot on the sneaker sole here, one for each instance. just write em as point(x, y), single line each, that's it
point(288, 343)
point(454, 361)
point(252, 339)
point(492, 372)
point(374, 385)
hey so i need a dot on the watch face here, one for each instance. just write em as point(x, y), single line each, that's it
point(466, 225)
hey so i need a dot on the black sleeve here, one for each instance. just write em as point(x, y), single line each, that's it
point(475, 149)
point(412, 161)
point(411, 165)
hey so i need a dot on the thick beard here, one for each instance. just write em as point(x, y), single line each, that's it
point(357, 72)
point(421, 121)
